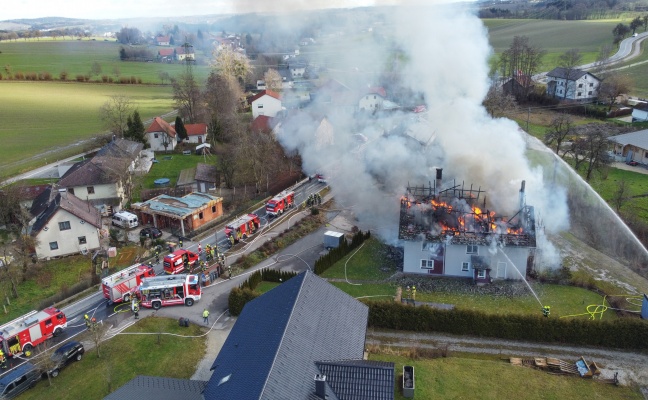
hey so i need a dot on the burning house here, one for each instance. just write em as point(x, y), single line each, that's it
point(451, 232)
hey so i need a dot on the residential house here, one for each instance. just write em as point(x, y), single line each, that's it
point(265, 102)
point(631, 146)
point(302, 340)
point(572, 84)
point(28, 193)
point(185, 53)
point(262, 124)
point(297, 67)
point(104, 180)
point(286, 78)
point(196, 133)
point(163, 40)
point(182, 214)
point(444, 232)
point(161, 135)
point(207, 177)
point(640, 112)
point(518, 86)
point(63, 224)
point(166, 55)
point(373, 99)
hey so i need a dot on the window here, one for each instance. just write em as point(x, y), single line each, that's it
point(579, 94)
point(589, 93)
point(646, 154)
point(64, 226)
point(591, 84)
point(53, 245)
point(82, 240)
point(471, 249)
point(155, 135)
point(90, 189)
point(200, 215)
point(213, 209)
point(70, 190)
point(260, 106)
point(580, 85)
point(48, 323)
point(481, 274)
point(465, 266)
point(427, 264)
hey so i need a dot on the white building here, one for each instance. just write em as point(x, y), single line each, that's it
point(196, 133)
point(572, 84)
point(640, 112)
point(266, 102)
point(64, 224)
point(161, 135)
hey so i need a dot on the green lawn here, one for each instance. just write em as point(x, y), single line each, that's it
point(49, 115)
point(126, 356)
point(465, 378)
point(170, 168)
point(367, 264)
point(77, 56)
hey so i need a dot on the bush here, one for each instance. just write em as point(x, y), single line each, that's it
point(124, 80)
point(19, 76)
point(31, 76)
point(63, 75)
point(238, 298)
point(45, 76)
point(104, 78)
point(326, 261)
point(80, 78)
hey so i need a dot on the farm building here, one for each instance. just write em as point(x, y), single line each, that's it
point(447, 232)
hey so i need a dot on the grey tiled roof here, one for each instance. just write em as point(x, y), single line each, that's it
point(272, 349)
point(158, 388)
point(359, 379)
point(563, 73)
point(206, 173)
point(69, 203)
point(638, 139)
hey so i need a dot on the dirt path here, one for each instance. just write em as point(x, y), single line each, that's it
point(632, 366)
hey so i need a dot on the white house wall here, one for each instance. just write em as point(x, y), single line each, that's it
point(67, 240)
point(455, 255)
point(370, 102)
point(588, 88)
point(266, 105)
point(197, 139)
point(156, 142)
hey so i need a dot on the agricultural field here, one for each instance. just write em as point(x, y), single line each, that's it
point(77, 56)
point(50, 115)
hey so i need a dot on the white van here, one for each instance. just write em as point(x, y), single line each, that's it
point(125, 219)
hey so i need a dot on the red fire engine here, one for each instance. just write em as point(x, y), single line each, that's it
point(119, 287)
point(179, 261)
point(242, 228)
point(21, 335)
point(159, 291)
point(278, 204)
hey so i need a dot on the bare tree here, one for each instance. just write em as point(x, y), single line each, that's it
point(45, 361)
point(570, 60)
point(273, 79)
point(621, 194)
point(221, 101)
point(560, 129)
point(164, 76)
point(231, 63)
point(521, 61)
point(591, 149)
point(114, 113)
point(186, 94)
point(97, 330)
point(614, 84)
point(497, 103)
point(95, 69)
point(601, 64)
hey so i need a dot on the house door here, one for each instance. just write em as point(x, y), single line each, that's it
point(629, 155)
point(199, 139)
point(501, 270)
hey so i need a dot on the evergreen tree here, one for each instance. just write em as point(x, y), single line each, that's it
point(135, 130)
point(180, 129)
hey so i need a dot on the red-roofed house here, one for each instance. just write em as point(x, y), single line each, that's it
point(262, 123)
point(265, 102)
point(163, 40)
point(166, 54)
point(183, 53)
point(373, 100)
point(161, 135)
point(196, 133)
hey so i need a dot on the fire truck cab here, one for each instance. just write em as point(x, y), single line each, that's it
point(242, 228)
point(179, 261)
point(159, 291)
point(21, 335)
point(280, 203)
point(119, 287)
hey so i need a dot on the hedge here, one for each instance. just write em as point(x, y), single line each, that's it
point(624, 333)
point(329, 259)
point(239, 296)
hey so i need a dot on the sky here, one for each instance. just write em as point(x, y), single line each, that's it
point(122, 9)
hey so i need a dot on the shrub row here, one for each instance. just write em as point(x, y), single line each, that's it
point(625, 333)
point(238, 298)
point(46, 76)
point(326, 261)
point(268, 275)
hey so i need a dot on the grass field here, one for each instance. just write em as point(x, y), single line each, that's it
point(126, 356)
point(465, 378)
point(367, 264)
point(77, 56)
point(170, 168)
point(49, 115)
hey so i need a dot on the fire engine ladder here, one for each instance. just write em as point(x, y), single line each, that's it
point(161, 282)
point(124, 273)
point(18, 320)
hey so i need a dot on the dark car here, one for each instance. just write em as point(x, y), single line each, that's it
point(632, 163)
point(71, 351)
point(18, 380)
point(150, 232)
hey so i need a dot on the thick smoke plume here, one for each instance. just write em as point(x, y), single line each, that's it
point(440, 52)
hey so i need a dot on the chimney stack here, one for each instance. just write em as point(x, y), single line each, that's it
point(320, 386)
point(437, 185)
point(522, 196)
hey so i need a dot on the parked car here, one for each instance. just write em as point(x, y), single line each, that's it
point(632, 163)
point(70, 351)
point(151, 232)
point(18, 380)
point(320, 178)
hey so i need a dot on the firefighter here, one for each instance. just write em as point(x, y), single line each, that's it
point(408, 291)
point(180, 242)
point(135, 308)
point(413, 292)
point(199, 248)
point(213, 253)
point(229, 271)
point(205, 315)
point(87, 320)
point(319, 199)
point(546, 310)
point(231, 239)
point(3, 360)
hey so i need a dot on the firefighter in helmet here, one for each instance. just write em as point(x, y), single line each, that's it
point(546, 310)
point(87, 320)
point(3, 360)
point(413, 292)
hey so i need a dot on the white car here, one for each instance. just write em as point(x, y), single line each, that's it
point(635, 34)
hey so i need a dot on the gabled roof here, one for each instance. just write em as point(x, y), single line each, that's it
point(206, 173)
point(121, 148)
point(262, 123)
point(376, 90)
point(181, 50)
point(638, 139)
point(31, 192)
point(166, 52)
point(165, 39)
point(573, 74)
point(196, 129)
point(158, 388)
point(70, 203)
point(271, 351)
point(370, 380)
point(263, 93)
point(160, 125)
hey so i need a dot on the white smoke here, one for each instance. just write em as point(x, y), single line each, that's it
point(444, 54)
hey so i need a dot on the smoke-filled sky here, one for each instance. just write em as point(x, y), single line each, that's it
point(444, 53)
point(123, 9)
